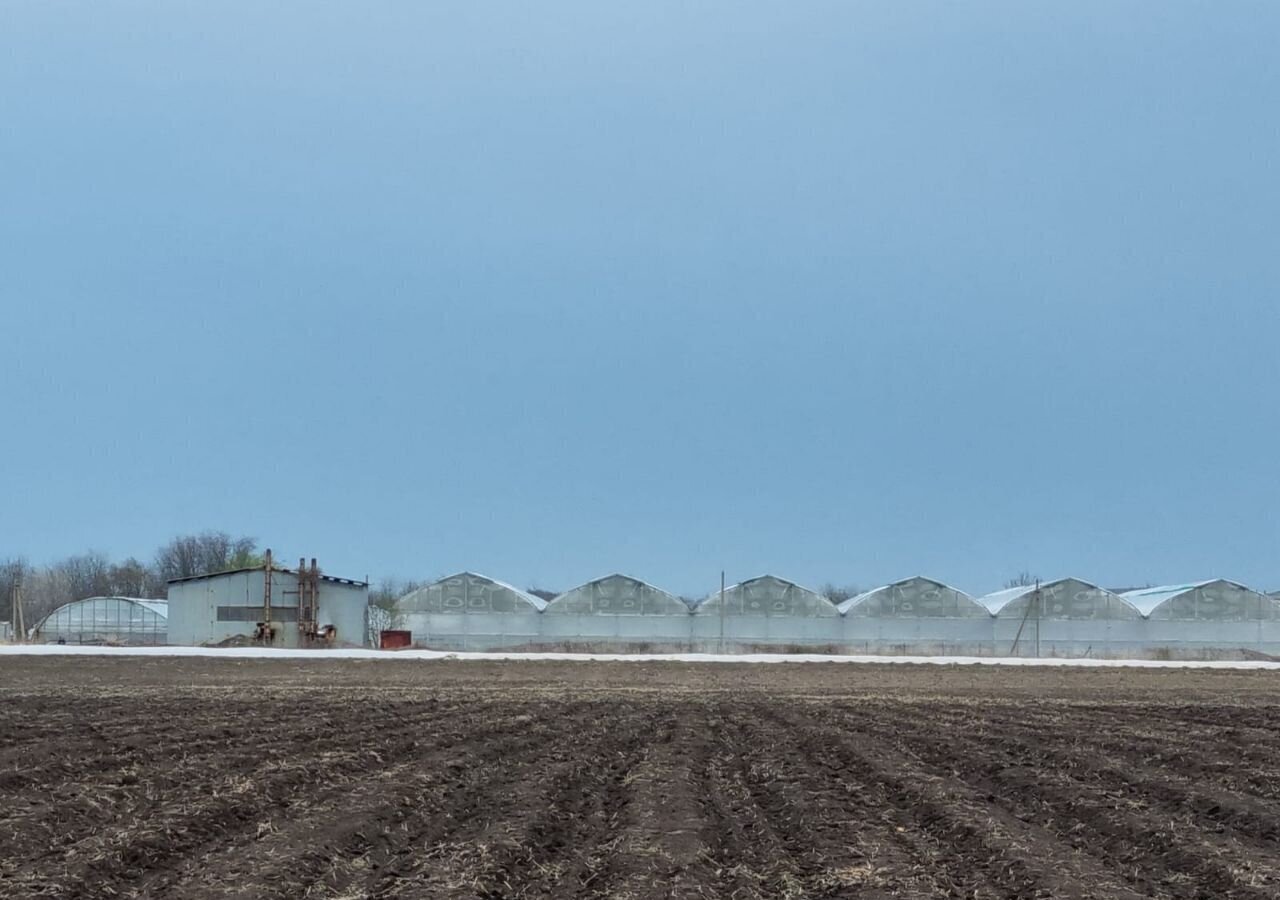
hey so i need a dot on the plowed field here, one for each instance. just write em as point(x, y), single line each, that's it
point(209, 778)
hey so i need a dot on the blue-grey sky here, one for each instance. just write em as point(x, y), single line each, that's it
point(841, 291)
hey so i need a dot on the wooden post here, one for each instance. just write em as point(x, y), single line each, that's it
point(17, 619)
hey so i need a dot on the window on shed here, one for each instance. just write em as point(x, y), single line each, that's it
point(254, 614)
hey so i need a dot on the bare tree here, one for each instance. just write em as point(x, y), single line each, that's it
point(77, 577)
point(13, 571)
point(43, 590)
point(839, 594)
point(134, 578)
point(94, 574)
point(382, 614)
point(379, 619)
point(200, 554)
point(1022, 579)
point(388, 590)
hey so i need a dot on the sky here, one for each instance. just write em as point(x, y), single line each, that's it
point(841, 291)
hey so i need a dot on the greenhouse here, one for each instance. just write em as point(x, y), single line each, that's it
point(766, 613)
point(1066, 598)
point(1214, 601)
point(914, 598)
point(469, 612)
point(617, 595)
point(1207, 619)
point(106, 620)
point(768, 595)
point(617, 612)
point(917, 616)
point(1068, 617)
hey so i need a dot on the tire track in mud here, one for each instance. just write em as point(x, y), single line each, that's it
point(1160, 743)
point(658, 840)
point(1087, 757)
point(338, 833)
point(140, 790)
point(754, 857)
point(133, 842)
point(1128, 839)
point(1184, 792)
point(137, 757)
point(728, 850)
point(983, 849)
point(839, 842)
point(402, 848)
point(554, 822)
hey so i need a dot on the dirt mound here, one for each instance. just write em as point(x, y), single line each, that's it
point(236, 640)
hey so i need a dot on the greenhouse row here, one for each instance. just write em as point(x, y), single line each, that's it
point(915, 616)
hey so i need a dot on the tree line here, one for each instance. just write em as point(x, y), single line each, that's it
point(95, 574)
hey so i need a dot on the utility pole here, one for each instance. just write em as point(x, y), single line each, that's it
point(722, 610)
point(17, 620)
point(266, 590)
point(1039, 603)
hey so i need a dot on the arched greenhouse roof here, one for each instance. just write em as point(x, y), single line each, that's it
point(98, 619)
point(469, 592)
point(1064, 598)
point(914, 597)
point(768, 595)
point(1216, 599)
point(619, 595)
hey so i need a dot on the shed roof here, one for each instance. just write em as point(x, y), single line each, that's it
point(287, 571)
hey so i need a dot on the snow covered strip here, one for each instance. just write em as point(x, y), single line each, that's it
point(435, 655)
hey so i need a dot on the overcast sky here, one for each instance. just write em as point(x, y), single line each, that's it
point(841, 291)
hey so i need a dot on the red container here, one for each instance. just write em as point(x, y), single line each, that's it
point(396, 640)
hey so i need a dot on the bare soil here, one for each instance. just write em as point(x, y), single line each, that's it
point(197, 778)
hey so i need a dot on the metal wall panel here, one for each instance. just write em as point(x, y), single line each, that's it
point(193, 608)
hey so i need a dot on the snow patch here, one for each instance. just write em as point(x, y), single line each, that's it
point(435, 655)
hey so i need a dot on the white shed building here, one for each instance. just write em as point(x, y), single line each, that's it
point(228, 606)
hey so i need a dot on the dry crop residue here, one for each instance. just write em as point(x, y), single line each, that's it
point(209, 778)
